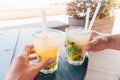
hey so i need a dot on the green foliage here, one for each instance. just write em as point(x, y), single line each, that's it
point(77, 8)
point(74, 52)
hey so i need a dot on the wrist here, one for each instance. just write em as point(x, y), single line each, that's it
point(114, 41)
point(110, 42)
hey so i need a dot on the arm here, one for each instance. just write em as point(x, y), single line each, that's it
point(102, 41)
point(21, 69)
point(114, 41)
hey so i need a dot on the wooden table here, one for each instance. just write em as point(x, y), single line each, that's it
point(104, 25)
point(14, 39)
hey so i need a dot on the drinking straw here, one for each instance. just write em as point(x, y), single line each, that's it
point(94, 16)
point(43, 20)
point(87, 18)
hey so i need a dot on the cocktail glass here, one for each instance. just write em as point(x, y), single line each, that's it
point(76, 39)
point(47, 45)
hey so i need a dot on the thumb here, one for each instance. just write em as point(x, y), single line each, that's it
point(44, 64)
point(35, 69)
point(91, 45)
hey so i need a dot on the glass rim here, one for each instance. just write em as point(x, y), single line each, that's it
point(74, 27)
point(58, 34)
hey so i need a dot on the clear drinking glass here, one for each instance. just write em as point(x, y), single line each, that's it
point(47, 44)
point(76, 39)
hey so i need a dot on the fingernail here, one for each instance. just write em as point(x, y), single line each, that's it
point(95, 42)
point(87, 48)
point(51, 60)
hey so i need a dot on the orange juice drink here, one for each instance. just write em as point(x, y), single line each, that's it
point(48, 45)
point(76, 39)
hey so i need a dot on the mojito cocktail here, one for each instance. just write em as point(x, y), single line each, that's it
point(76, 39)
point(48, 45)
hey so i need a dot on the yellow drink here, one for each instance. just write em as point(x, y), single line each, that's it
point(48, 46)
point(47, 53)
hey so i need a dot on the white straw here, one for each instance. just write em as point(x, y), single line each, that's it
point(87, 18)
point(94, 16)
point(43, 20)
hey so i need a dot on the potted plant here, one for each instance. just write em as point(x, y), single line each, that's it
point(76, 10)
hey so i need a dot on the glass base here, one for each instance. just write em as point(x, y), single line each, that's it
point(76, 63)
point(49, 71)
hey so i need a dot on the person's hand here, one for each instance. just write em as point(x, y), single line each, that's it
point(21, 69)
point(97, 42)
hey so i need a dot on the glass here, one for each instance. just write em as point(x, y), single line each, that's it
point(76, 38)
point(48, 45)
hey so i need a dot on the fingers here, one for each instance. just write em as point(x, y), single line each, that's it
point(29, 49)
point(65, 45)
point(29, 46)
point(32, 58)
point(94, 34)
point(97, 44)
point(90, 46)
point(44, 64)
point(35, 69)
point(93, 44)
point(32, 51)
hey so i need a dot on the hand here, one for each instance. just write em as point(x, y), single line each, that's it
point(97, 42)
point(21, 69)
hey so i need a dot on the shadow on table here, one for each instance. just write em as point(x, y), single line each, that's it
point(66, 71)
point(41, 76)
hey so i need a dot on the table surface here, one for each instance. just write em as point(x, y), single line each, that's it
point(13, 40)
point(104, 65)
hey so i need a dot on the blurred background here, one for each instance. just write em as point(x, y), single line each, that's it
point(12, 9)
point(20, 12)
